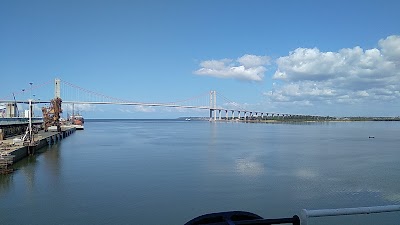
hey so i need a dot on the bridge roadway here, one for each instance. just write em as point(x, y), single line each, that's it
point(213, 110)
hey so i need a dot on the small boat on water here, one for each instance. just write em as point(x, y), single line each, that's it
point(77, 121)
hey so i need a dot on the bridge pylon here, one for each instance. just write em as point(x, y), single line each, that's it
point(57, 88)
point(213, 105)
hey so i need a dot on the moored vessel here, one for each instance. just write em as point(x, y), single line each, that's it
point(77, 121)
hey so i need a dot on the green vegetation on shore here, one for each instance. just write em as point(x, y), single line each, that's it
point(307, 118)
point(300, 118)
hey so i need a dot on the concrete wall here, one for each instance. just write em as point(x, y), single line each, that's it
point(20, 153)
point(54, 138)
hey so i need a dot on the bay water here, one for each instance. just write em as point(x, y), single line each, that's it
point(169, 171)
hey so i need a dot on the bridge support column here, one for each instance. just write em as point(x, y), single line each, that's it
point(213, 104)
point(30, 121)
point(233, 114)
point(219, 114)
point(226, 115)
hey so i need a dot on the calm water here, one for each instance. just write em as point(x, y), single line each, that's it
point(167, 172)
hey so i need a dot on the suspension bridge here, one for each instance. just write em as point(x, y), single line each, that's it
point(75, 95)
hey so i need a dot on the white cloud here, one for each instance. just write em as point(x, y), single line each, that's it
point(391, 47)
point(247, 67)
point(79, 107)
point(362, 93)
point(234, 105)
point(176, 109)
point(137, 108)
point(349, 64)
point(140, 108)
point(253, 60)
point(348, 76)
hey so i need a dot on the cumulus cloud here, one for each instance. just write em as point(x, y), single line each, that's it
point(247, 67)
point(79, 107)
point(137, 108)
point(350, 75)
point(391, 47)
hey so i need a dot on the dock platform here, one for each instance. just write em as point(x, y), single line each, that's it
point(18, 150)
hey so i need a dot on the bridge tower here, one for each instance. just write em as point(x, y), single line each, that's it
point(57, 88)
point(213, 105)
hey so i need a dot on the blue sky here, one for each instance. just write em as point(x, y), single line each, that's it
point(337, 58)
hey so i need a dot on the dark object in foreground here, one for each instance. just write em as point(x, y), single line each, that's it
point(239, 217)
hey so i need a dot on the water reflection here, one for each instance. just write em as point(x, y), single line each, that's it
point(393, 197)
point(52, 163)
point(28, 172)
point(306, 174)
point(6, 182)
point(139, 168)
point(45, 160)
point(249, 167)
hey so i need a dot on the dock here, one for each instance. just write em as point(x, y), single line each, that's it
point(13, 150)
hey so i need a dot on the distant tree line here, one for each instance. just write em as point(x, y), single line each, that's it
point(360, 118)
point(305, 118)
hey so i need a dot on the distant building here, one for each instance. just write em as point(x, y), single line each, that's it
point(2, 110)
point(11, 110)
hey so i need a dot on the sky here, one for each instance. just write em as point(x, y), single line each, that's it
point(328, 58)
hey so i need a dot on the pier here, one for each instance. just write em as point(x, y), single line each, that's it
point(12, 149)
